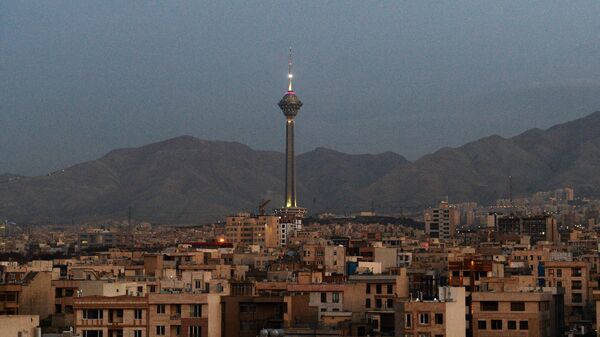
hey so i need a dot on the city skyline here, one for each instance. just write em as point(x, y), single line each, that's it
point(162, 231)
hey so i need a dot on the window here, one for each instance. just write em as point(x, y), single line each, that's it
point(195, 331)
point(247, 307)
point(323, 297)
point(558, 272)
point(247, 326)
point(576, 298)
point(160, 309)
point(368, 303)
point(92, 333)
point(137, 333)
point(424, 318)
point(489, 306)
point(524, 325)
point(335, 297)
point(481, 325)
point(408, 321)
point(177, 330)
point(496, 324)
point(378, 288)
point(559, 284)
point(137, 314)
point(512, 325)
point(160, 330)
point(197, 284)
point(93, 314)
point(390, 303)
point(439, 318)
point(378, 303)
point(368, 288)
point(517, 306)
point(576, 272)
point(576, 285)
point(196, 310)
point(390, 289)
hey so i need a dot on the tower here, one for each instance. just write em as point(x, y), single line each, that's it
point(290, 105)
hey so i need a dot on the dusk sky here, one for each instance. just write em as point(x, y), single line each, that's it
point(80, 78)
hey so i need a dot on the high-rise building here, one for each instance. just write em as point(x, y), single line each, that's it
point(244, 229)
point(441, 222)
point(540, 228)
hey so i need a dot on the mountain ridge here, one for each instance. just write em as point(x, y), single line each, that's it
point(189, 180)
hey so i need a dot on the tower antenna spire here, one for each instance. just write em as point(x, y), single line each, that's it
point(290, 75)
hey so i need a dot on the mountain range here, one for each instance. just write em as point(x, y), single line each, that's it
point(188, 180)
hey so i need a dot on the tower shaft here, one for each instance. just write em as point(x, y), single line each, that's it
point(290, 105)
point(290, 168)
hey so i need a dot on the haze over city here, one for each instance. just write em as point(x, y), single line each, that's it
point(83, 78)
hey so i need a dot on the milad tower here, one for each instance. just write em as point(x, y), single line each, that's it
point(290, 105)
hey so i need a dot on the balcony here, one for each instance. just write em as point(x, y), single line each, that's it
point(92, 322)
point(116, 321)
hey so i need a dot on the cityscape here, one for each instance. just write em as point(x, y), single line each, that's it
point(497, 237)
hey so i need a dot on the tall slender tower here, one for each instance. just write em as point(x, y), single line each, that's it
point(290, 105)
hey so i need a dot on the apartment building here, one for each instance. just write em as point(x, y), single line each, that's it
point(31, 295)
point(154, 315)
point(120, 316)
point(526, 314)
point(64, 292)
point(329, 259)
point(468, 273)
point(441, 222)
point(246, 316)
point(574, 277)
point(328, 299)
point(245, 230)
point(184, 314)
point(373, 297)
point(442, 317)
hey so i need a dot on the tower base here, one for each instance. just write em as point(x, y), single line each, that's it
point(291, 213)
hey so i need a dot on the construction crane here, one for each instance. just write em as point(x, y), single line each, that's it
point(262, 205)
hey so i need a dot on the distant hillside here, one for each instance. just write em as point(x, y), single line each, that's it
point(184, 180)
point(9, 176)
point(187, 180)
point(564, 155)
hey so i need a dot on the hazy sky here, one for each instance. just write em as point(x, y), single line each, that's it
point(80, 78)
